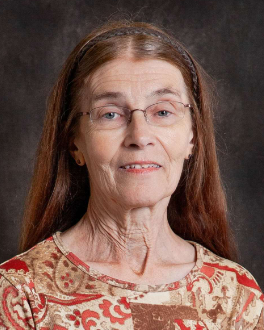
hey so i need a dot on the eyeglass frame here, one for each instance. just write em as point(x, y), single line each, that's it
point(80, 114)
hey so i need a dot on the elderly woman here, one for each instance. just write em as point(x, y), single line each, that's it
point(127, 182)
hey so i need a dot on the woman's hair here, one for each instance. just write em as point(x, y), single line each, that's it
point(60, 188)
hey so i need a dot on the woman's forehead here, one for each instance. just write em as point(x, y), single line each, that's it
point(130, 76)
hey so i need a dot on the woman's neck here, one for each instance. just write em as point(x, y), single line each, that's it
point(136, 240)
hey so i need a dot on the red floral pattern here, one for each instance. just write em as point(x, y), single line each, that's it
point(49, 288)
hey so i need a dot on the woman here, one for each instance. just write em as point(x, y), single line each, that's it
point(129, 128)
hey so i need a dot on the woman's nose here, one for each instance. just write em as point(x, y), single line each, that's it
point(139, 133)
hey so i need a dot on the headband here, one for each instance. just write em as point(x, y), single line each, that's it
point(129, 31)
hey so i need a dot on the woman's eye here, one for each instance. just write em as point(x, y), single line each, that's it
point(111, 115)
point(163, 113)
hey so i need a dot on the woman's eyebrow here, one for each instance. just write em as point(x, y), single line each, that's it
point(116, 95)
point(164, 91)
point(107, 95)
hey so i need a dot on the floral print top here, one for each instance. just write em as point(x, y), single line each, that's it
point(50, 288)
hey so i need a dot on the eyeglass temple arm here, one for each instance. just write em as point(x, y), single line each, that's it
point(187, 105)
point(79, 114)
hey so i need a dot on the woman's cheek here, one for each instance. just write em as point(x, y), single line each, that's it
point(99, 153)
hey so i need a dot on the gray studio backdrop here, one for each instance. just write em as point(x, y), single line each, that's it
point(225, 36)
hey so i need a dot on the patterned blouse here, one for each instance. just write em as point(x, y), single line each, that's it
point(50, 288)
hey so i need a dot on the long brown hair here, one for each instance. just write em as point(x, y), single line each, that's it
point(60, 189)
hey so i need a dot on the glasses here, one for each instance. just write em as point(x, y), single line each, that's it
point(162, 113)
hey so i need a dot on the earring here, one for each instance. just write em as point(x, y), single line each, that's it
point(78, 162)
point(189, 156)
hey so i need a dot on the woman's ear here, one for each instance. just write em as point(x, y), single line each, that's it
point(189, 149)
point(76, 152)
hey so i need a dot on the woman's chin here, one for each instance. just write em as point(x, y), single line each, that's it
point(141, 199)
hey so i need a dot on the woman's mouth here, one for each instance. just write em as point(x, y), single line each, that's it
point(140, 166)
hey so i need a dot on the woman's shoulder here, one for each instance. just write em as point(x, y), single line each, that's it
point(22, 269)
point(227, 273)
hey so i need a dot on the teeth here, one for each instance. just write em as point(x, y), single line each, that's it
point(138, 166)
point(145, 166)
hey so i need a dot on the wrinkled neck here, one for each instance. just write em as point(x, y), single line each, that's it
point(135, 245)
point(134, 237)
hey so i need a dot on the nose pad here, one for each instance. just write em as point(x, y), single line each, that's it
point(144, 112)
point(146, 116)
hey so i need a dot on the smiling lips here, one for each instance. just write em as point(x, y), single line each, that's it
point(141, 167)
point(138, 166)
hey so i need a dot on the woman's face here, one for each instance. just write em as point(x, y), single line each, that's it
point(134, 85)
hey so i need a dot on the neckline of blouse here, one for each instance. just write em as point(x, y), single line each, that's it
point(144, 288)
